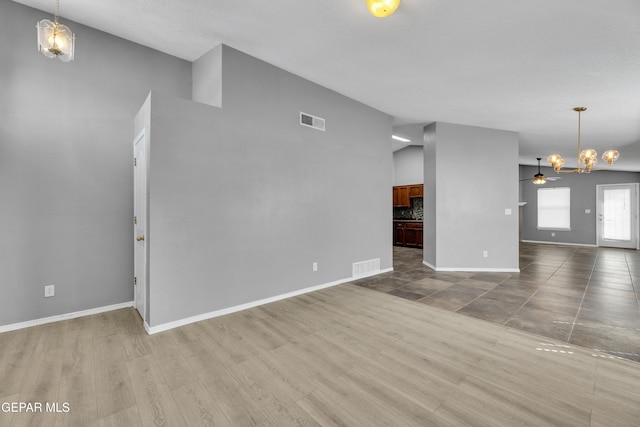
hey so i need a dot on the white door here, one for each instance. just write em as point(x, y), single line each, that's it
point(140, 222)
point(617, 210)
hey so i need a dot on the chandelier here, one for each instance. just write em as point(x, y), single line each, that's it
point(586, 158)
point(55, 39)
point(382, 8)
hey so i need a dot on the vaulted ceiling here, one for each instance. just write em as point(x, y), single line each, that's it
point(505, 64)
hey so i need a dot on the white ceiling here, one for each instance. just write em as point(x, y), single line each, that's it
point(506, 64)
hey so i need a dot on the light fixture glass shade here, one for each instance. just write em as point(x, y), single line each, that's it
point(589, 157)
point(382, 8)
point(559, 164)
point(588, 154)
point(553, 159)
point(610, 156)
point(55, 40)
point(556, 161)
point(539, 179)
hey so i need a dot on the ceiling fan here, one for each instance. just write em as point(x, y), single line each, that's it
point(539, 178)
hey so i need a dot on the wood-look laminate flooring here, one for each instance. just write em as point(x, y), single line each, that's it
point(585, 296)
point(343, 356)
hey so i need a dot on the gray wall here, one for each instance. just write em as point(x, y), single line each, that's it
point(467, 192)
point(243, 200)
point(408, 165)
point(65, 165)
point(207, 78)
point(430, 224)
point(583, 196)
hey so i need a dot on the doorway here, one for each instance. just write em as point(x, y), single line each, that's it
point(617, 215)
point(140, 223)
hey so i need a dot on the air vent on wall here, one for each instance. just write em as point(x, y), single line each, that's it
point(366, 268)
point(311, 121)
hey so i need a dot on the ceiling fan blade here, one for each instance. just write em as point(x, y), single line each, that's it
point(548, 178)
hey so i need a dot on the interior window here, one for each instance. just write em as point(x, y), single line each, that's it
point(554, 208)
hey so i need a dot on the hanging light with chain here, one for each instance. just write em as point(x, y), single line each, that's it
point(54, 39)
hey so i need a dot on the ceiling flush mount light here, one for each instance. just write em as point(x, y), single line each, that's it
point(382, 8)
point(54, 39)
point(399, 138)
point(539, 178)
point(586, 158)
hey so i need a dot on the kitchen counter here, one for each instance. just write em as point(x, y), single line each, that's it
point(407, 220)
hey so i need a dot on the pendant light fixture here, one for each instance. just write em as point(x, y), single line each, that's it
point(586, 158)
point(382, 8)
point(54, 39)
point(539, 178)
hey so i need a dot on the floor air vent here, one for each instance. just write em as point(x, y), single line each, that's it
point(366, 268)
point(311, 121)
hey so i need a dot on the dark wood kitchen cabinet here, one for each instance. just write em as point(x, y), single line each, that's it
point(413, 235)
point(401, 197)
point(398, 233)
point(409, 234)
point(402, 194)
point(416, 190)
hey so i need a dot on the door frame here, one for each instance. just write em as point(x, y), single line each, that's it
point(141, 285)
point(635, 223)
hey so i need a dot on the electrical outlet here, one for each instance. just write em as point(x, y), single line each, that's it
point(315, 266)
point(507, 211)
point(49, 291)
point(485, 254)
point(553, 234)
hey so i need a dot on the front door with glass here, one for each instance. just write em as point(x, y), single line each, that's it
point(617, 209)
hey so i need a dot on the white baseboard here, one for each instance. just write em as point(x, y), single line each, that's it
point(362, 276)
point(560, 243)
point(479, 270)
point(170, 325)
point(429, 265)
point(67, 316)
point(166, 326)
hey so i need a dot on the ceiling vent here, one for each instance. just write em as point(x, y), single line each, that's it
point(311, 121)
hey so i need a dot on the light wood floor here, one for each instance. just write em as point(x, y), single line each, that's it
point(345, 356)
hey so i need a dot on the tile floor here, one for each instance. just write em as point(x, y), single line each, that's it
point(580, 295)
